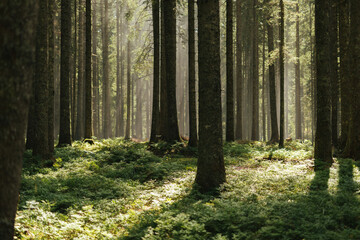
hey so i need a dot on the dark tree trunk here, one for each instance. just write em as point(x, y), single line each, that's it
point(255, 77)
point(272, 89)
point(163, 89)
point(127, 131)
point(210, 168)
point(263, 83)
point(118, 93)
point(298, 126)
point(80, 127)
point(17, 45)
point(334, 71)
point(281, 141)
point(229, 73)
point(96, 98)
point(106, 82)
point(345, 83)
point(156, 72)
point(88, 95)
point(353, 143)
point(64, 133)
point(51, 75)
point(73, 81)
point(239, 74)
point(323, 153)
point(193, 135)
point(172, 133)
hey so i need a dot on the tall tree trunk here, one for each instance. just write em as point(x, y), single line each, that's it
point(51, 76)
point(118, 93)
point(272, 89)
point(163, 88)
point(263, 83)
point(353, 143)
point(80, 127)
point(64, 133)
point(106, 121)
point(95, 73)
point(298, 126)
point(73, 105)
point(255, 77)
point(334, 71)
point(323, 153)
point(172, 133)
point(229, 73)
point(345, 83)
point(239, 74)
point(17, 44)
point(127, 131)
point(193, 136)
point(88, 87)
point(282, 13)
point(210, 167)
point(156, 73)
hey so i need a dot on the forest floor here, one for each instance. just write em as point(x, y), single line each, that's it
point(118, 189)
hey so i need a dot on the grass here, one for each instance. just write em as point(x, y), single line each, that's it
point(117, 189)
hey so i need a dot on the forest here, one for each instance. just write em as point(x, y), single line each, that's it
point(173, 119)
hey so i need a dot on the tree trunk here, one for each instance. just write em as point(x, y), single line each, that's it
point(323, 153)
point(229, 73)
point(334, 71)
point(239, 74)
point(118, 94)
point(172, 133)
point(255, 77)
point(95, 74)
point(298, 126)
point(156, 72)
point(210, 167)
point(281, 141)
point(88, 96)
point(127, 132)
point(17, 44)
point(345, 83)
point(51, 76)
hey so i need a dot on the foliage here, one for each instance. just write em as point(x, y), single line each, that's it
point(118, 189)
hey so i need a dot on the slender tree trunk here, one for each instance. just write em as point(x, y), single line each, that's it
point(272, 89)
point(156, 72)
point(298, 126)
point(106, 121)
point(51, 77)
point(172, 133)
point(229, 73)
point(163, 88)
point(95, 73)
point(334, 71)
point(64, 133)
point(281, 141)
point(88, 95)
point(17, 44)
point(323, 153)
point(255, 77)
point(73, 81)
point(118, 93)
point(263, 83)
point(353, 143)
point(127, 132)
point(210, 167)
point(239, 74)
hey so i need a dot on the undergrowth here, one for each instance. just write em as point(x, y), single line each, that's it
point(117, 189)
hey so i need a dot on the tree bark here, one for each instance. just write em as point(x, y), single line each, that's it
point(323, 153)
point(210, 167)
point(95, 77)
point(255, 77)
point(334, 71)
point(156, 72)
point(193, 135)
point(88, 87)
point(282, 13)
point(229, 73)
point(298, 126)
point(127, 131)
point(17, 45)
point(239, 74)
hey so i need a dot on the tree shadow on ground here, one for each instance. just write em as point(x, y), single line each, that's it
point(316, 215)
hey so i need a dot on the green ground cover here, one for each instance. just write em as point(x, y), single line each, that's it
point(118, 189)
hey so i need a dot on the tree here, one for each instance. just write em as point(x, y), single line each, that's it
point(172, 133)
point(88, 87)
point(17, 45)
point(118, 72)
point(193, 138)
point(51, 79)
point(272, 89)
point(156, 77)
point(106, 84)
point(334, 71)
point(353, 143)
point(127, 130)
point(210, 167)
point(282, 43)
point(96, 115)
point(64, 133)
point(344, 38)
point(323, 153)
point(239, 77)
point(229, 73)
point(255, 75)
point(297, 78)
